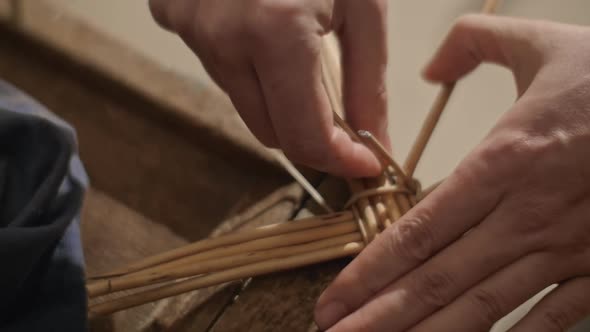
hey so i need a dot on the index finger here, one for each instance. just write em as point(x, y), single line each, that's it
point(290, 75)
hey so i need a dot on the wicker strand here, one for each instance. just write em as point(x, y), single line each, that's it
point(429, 124)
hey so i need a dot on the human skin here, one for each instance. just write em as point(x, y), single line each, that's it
point(508, 222)
point(265, 54)
point(511, 219)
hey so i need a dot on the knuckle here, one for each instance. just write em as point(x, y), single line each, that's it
point(176, 17)
point(466, 23)
point(346, 279)
point(269, 17)
point(302, 153)
point(557, 320)
point(507, 146)
point(158, 11)
point(489, 304)
point(412, 239)
point(558, 317)
point(507, 155)
point(283, 9)
point(433, 289)
point(363, 322)
point(359, 281)
point(534, 216)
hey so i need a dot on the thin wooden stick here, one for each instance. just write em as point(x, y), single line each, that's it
point(384, 156)
point(273, 242)
point(308, 187)
point(243, 236)
point(382, 204)
point(428, 128)
point(250, 270)
point(489, 7)
point(213, 265)
point(400, 204)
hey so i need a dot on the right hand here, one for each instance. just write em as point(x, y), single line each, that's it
point(266, 55)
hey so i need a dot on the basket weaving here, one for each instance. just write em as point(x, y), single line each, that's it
point(375, 204)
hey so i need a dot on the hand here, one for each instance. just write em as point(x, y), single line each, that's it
point(512, 219)
point(266, 55)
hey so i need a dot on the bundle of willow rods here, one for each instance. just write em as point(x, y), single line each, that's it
point(375, 204)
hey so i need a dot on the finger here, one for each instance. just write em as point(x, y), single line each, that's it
point(513, 43)
point(363, 36)
point(432, 225)
point(226, 65)
point(159, 12)
point(170, 14)
point(290, 74)
point(486, 303)
point(441, 279)
point(244, 90)
point(180, 16)
point(232, 72)
point(560, 310)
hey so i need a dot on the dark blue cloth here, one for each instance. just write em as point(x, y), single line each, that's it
point(42, 184)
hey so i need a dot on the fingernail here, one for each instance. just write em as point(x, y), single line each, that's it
point(329, 314)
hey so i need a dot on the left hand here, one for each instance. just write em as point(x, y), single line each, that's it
point(512, 219)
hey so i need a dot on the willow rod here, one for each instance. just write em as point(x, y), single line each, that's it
point(103, 287)
point(268, 243)
point(489, 7)
point(251, 270)
point(403, 203)
point(308, 187)
point(397, 204)
point(243, 236)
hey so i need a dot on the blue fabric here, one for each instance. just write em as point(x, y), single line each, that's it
point(42, 182)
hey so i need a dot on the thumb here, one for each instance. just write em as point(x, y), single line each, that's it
point(513, 43)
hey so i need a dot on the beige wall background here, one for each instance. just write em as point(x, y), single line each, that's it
point(416, 28)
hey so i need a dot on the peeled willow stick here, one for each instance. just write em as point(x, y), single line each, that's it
point(243, 236)
point(428, 128)
point(489, 7)
point(382, 154)
point(268, 243)
point(292, 170)
point(402, 203)
point(106, 286)
point(250, 270)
